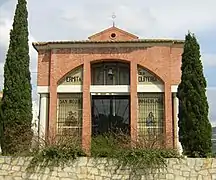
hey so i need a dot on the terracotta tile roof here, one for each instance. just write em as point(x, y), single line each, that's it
point(110, 41)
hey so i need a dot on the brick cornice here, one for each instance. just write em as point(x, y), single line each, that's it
point(100, 44)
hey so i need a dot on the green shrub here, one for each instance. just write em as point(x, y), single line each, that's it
point(119, 147)
point(58, 153)
point(114, 147)
point(104, 146)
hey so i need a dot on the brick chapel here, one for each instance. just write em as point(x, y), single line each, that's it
point(113, 80)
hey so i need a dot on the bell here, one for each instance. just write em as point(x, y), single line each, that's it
point(110, 72)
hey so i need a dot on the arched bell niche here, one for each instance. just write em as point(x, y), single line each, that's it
point(110, 73)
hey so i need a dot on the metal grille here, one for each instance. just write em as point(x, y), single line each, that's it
point(70, 115)
point(151, 114)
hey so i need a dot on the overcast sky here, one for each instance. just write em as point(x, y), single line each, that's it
point(73, 20)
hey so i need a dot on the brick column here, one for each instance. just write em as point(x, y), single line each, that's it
point(133, 100)
point(168, 116)
point(86, 125)
point(52, 124)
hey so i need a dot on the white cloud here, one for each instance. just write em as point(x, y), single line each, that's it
point(209, 60)
point(211, 94)
point(5, 27)
point(153, 18)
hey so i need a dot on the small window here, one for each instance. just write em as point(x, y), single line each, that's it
point(113, 35)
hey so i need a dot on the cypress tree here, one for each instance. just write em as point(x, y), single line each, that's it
point(194, 126)
point(17, 100)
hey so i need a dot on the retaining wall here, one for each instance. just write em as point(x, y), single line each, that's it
point(89, 169)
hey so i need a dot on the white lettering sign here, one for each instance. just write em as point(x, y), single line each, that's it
point(145, 77)
point(73, 78)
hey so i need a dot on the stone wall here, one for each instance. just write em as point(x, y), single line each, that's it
point(89, 169)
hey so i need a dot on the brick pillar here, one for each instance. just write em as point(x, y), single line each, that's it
point(133, 100)
point(168, 116)
point(53, 100)
point(86, 125)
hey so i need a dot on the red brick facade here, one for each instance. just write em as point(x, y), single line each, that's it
point(161, 57)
